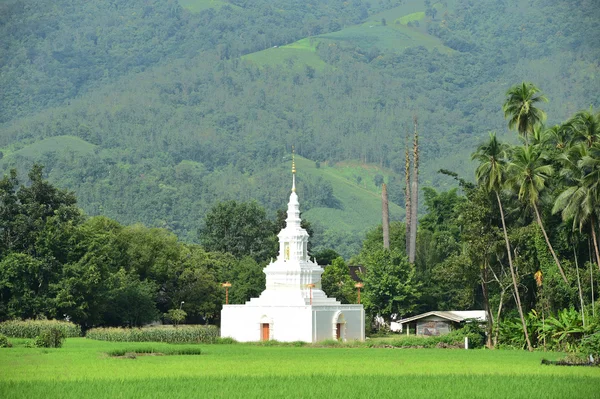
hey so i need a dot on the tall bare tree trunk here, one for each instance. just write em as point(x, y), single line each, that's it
point(497, 329)
point(407, 204)
point(414, 193)
point(592, 278)
point(386, 217)
point(539, 222)
point(579, 286)
point(502, 292)
point(513, 275)
point(486, 306)
point(595, 242)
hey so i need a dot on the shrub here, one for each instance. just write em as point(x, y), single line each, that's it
point(179, 335)
point(4, 342)
point(590, 345)
point(52, 338)
point(176, 316)
point(33, 328)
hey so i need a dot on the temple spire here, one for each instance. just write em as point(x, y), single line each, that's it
point(293, 170)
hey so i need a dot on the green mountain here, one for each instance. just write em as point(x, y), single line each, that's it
point(153, 111)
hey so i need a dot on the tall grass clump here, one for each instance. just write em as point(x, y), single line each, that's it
point(154, 351)
point(52, 338)
point(4, 342)
point(172, 335)
point(34, 328)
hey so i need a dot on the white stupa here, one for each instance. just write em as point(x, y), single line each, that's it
point(293, 307)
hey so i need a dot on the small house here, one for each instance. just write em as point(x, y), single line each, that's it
point(437, 322)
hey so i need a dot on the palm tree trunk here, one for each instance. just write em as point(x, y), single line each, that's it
point(539, 221)
point(497, 321)
point(513, 275)
point(579, 286)
point(486, 306)
point(595, 242)
point(497, 332)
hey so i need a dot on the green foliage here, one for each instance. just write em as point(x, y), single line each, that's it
point(326, 256)
point(247, 280)
point(4, 342)
point(181, 334)
point(176, 316)
point(563, 332)
point(133, 301)
point(240, 229)
point(34, 328)
point(50, 338)
point(337, 283)
point(454, 339)
point(520, 108)
point(590, 345)
point(390, 285)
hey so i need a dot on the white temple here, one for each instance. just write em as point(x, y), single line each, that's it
point(293, 307)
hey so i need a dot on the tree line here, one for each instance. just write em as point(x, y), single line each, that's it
point(521, 242)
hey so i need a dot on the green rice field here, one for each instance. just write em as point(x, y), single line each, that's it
point(83, 369)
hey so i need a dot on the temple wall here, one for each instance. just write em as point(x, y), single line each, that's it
point(292, 323)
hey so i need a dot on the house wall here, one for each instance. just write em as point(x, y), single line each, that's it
point(433, 326)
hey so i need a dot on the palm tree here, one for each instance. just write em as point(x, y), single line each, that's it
point(521, 111)
point(558, 136)
point(490, 174)
point(585, 127)
point(590, 163)
point(528, 173)
point(580, 200)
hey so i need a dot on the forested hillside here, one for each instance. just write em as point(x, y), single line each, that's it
point(153, 111)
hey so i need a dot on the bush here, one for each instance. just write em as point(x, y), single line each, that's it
point(33, 328)
point(52, 338)
point(179, 335)
point(4, 342)
point(176, 316)
point(590, 345)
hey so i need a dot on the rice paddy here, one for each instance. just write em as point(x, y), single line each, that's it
point(83, 368)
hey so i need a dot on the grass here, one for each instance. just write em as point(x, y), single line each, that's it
point(51, 144)
point(392, 36)
point(167, 351)
point(395, 36)
point(415, 16)
point(297, 55)
point(200, 5)
point(82, 369)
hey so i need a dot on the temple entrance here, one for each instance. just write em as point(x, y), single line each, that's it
point(339, 326)
point(264, 332)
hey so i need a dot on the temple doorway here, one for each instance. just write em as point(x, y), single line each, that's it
point(264, 336)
